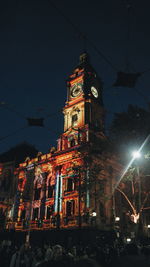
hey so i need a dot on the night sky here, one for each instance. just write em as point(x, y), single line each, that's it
point(40, 45)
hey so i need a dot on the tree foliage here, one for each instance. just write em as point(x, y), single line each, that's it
point(19, 153)
point(129, 129)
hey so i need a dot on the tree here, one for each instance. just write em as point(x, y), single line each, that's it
point(134, 191)
point(129, 129)
point(19, 153)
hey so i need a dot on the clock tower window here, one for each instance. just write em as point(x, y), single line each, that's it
point(72, 143)
point(74, 119)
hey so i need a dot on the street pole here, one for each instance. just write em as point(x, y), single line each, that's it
point(139, 184)
point(114, 208)
point(140, 201)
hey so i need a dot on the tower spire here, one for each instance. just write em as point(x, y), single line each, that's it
point(84, 58)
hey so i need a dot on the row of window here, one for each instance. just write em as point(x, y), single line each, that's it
point(66, 142)
point(71, 185)
point(49, 210)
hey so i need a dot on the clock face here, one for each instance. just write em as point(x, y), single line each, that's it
point(76, 89)
point(94, 91)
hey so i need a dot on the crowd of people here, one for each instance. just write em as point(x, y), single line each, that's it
point(75, 255)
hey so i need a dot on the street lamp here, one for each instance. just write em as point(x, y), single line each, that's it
point(148, 230)
point(93, 218)
point(117, 226)
point(136, 154)
point(94, 214)
point(117, 219)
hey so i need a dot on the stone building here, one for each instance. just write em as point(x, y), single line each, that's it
point(72, 185)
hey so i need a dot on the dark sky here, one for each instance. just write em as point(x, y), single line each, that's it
point(39, 47)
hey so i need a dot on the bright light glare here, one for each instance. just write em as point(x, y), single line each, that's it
point(148, 226)
point(117, 219)
point(136, 154)
point(129, 165)
point(128, 240)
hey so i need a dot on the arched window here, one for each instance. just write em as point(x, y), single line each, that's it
point(23, 214)
point(50, 191)
point(69, 184)
point(37, 193)
point(70, 208)
point(50, 210)
point(74, 119)
point(72, 142)
point(35, 213)
point(50, 183)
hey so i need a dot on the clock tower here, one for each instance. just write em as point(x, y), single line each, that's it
point(84, 106)
point(71, 186)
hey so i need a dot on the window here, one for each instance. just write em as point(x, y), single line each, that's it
point(74, 119)
point(69, 184)
point(72, 143)
point(35, 213)
point(37, 193)
point(50, 191)
point(23, 213)
point(50, 210)
point(70, 208)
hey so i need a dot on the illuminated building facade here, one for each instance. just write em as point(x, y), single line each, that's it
point(72, 185)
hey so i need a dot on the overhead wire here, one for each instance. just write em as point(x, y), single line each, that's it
point(145, 71)
point(85, 39)
point(4, 105)
point(82, 34)
point(146, 99)
point(13, 133)
point(44, 126)
point(129, 7)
